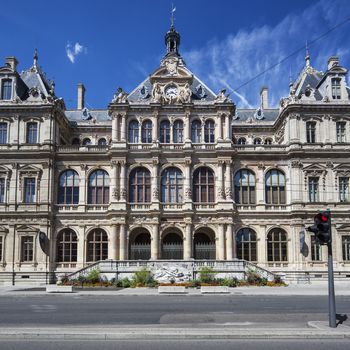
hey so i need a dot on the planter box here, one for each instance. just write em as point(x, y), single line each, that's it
point(53, 288)
point(172, 290)
point(215, 290)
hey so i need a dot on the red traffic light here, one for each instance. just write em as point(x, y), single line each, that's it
point(323, 218)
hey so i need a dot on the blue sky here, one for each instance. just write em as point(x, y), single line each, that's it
point(107, 44)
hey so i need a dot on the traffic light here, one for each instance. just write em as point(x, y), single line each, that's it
point(322, 227)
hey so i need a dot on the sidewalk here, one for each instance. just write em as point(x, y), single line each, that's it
point(321, 288)
point(312, 330)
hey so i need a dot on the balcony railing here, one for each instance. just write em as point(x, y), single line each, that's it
point(97, 207)
point(172, 206)
point(74, 149)
point(140, 206)
point(204, 206)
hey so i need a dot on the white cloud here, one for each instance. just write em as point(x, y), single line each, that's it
point(241, 56)
point(73, 51)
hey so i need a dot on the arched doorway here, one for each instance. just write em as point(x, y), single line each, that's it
point(172, 246)
point(204, 245)
point(140, 245)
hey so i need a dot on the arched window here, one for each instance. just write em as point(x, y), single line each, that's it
point(165, 131)
point(67, 246)
point(268, 141)
point(102, 142)
point(178, 131)
point(241, 141)
point(209, 131)
point(196, 131)
point(203, 185)
point(98, 192)
point(257, 141)
point(134, 131)
point(245, 187)
point(68, 192)
point(275, 187)
point(171, 186)
point(140, 186)
point(277, 245)
point(246, 244)
point(75, 142)
point(147, 132)
point(32, 132)
point(97, 245)
point(86, 142)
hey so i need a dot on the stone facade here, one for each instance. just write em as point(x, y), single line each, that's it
point(171, 171)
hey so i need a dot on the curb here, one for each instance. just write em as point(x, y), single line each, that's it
point(171, 333)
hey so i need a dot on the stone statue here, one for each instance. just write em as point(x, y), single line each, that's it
point(157, 95)
point(185, 94)
point(222, 97)
point(120, 96)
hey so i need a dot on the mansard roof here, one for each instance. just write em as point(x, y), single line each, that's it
point(249, 116)
point(88, 116)
point(35, 78)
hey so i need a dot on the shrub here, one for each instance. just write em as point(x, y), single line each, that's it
point(64, 279)
point(206, 274)
point(125, 283)
point(143, 278)
point(253, 278)
point(194, 283)
point(229, 282)
point(93, 276)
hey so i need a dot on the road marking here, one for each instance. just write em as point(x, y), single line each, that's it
point(43, 308)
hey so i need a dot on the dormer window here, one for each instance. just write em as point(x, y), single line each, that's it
point(6, 89)
point(336, 92)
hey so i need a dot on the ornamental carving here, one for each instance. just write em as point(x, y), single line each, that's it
point(296, 164)
point(221, 193)
point(120, 96)
point(155, 193)
point(123, 193)
point(188, 193)
point(115, 193)
point(228, 193)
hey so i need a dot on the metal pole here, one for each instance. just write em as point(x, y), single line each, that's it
point(331, 294)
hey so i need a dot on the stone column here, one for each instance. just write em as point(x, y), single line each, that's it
point(155, 242)
point(220, 127)
point(113, 195)
point(123, 129)
point(114, 128)
point(229, 242)
point(228, 181)
point(187, 181)
point(227, 127)
point(220, 243)
point(122, 242)
point(219, 182)
point(188, 243)
point(122, 181)
point(112, 248)
point(294, 132)
point(260, 195)
point(155, 127)
point(83, 185)
point(155, 189)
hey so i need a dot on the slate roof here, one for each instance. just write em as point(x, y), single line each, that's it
point(87, 116)
point(36, 78)
point(247, 116)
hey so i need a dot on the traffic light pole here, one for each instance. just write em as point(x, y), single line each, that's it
point(331, 294)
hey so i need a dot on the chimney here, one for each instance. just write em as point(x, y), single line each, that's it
point(264, 101)
point(333, 61)
point(12, 62)
point(81, 96)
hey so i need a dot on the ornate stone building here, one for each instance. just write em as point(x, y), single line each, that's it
point(171, 171)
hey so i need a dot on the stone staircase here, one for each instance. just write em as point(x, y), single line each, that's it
point(25, 278)
point(178, 270)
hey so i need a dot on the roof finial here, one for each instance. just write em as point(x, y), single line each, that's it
point(307, 56)
point(35, 58)
point(172, 18)
point(290, 80)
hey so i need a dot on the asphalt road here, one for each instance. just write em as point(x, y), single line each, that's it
point(55, 310)
point(286, 344)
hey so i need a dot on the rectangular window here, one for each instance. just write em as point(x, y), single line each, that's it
point(29, 190)
point(3, 133)
point(313, 189)
point(343, 189)
point(336, 92)
point(32, 133)
point(340, 132)
point(310, 132)
point(346, 248)
point(6, 89)
point(2, 190)
point(315, 249)
point(27, 249)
